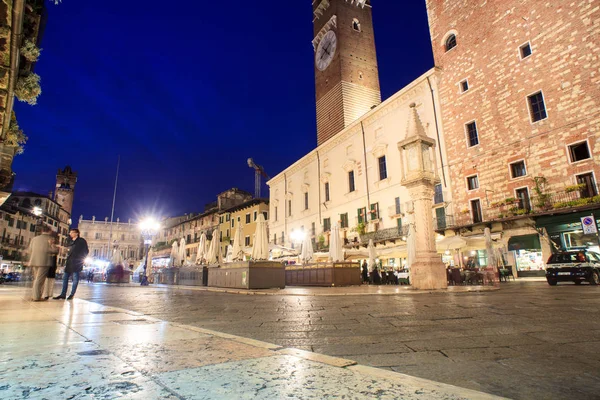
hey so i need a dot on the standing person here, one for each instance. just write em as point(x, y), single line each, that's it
point(50, 278)
point(365, 272)
point(41, 250)
point(78, 251)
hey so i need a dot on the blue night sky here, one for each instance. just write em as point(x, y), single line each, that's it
point(185, 95)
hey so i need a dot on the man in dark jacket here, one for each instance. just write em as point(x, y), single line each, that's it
point(78, 251)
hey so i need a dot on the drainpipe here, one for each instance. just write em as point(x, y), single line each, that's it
point(362, 127)
point(437, 131)
point(15, 45)
point(319, 183)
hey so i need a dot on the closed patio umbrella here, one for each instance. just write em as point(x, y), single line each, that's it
point(182, 256)
point(213, 250)
point(238, 253)
point(260, 247)
point(202, 248)
point(307, 250)
point(372, 255)
point(335, 244)
point(174, 254)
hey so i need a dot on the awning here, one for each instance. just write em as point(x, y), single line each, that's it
point(451, 243)
point(524, 242)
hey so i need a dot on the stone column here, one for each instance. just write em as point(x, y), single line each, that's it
point(419, 176)
point(428, 271)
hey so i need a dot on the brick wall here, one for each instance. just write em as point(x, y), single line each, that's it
point(564, 64)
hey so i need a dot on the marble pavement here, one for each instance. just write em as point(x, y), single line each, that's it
point(82, 350)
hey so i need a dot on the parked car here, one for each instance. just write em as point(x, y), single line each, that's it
point(573, 266)
point(12, 277)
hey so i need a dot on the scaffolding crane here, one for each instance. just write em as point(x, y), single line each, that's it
point(258, 172)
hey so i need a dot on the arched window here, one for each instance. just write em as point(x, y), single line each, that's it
point(451, 42)
point(356, 25)
point(26, 203)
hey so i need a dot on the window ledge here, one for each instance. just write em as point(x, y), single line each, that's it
point(383, 182)
point(351, 195)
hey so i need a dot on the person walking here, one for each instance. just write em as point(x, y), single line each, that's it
point(365, 272)
point(51, 277)
point(78, 251)
point(41, 251)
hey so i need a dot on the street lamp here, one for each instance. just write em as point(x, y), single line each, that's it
point(149, 228)
point(37, 211)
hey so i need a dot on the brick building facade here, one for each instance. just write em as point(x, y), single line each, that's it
point(520, 102)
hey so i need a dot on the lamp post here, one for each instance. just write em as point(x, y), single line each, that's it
point(149, 228)
point(37, 211)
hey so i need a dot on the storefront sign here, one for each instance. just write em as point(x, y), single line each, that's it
point(589, 225)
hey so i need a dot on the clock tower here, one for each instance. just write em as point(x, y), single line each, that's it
point(346, 74)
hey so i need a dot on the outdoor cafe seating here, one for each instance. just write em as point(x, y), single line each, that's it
point(477, 276)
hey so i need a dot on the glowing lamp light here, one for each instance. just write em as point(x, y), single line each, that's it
point(297, 236)
point(447, 252)
point(149, 225)
point(88, 261)
point(37, 211)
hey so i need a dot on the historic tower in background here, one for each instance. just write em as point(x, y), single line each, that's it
point(65, 188)
point(346, 74)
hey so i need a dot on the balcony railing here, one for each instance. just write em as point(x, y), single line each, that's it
point(396, 233)
point(515, 207)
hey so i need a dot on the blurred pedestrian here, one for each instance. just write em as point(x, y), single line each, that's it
point(365, 272)
point(51, 277)
point(41, 251)
point(78, 251)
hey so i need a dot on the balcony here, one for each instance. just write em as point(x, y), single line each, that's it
point(574, 197)
point(384, 235)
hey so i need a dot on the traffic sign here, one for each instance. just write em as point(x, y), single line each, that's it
point(589, 225)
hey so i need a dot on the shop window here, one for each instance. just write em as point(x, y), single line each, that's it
point(537, 107)
point(472, 134)
point(517, 169)
point(472, 182)
point(579, 152)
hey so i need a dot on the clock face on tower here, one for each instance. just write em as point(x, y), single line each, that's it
point(326, 51)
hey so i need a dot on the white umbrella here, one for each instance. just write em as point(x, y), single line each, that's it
point(174, 254)
point(213, 250)
point(491, 262)
point(238, 253)
point(229, 254)
point(201, 256)
point(411, 246)
point(307, 250)
point(116, 258)
point(260, 247)
point(372, 255)
point(335, 244)
point(181, 252)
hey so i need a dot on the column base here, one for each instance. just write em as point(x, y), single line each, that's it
point(428, 272)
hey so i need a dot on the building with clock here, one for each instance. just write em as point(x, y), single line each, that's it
point(352, 177)
point(512, 104)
